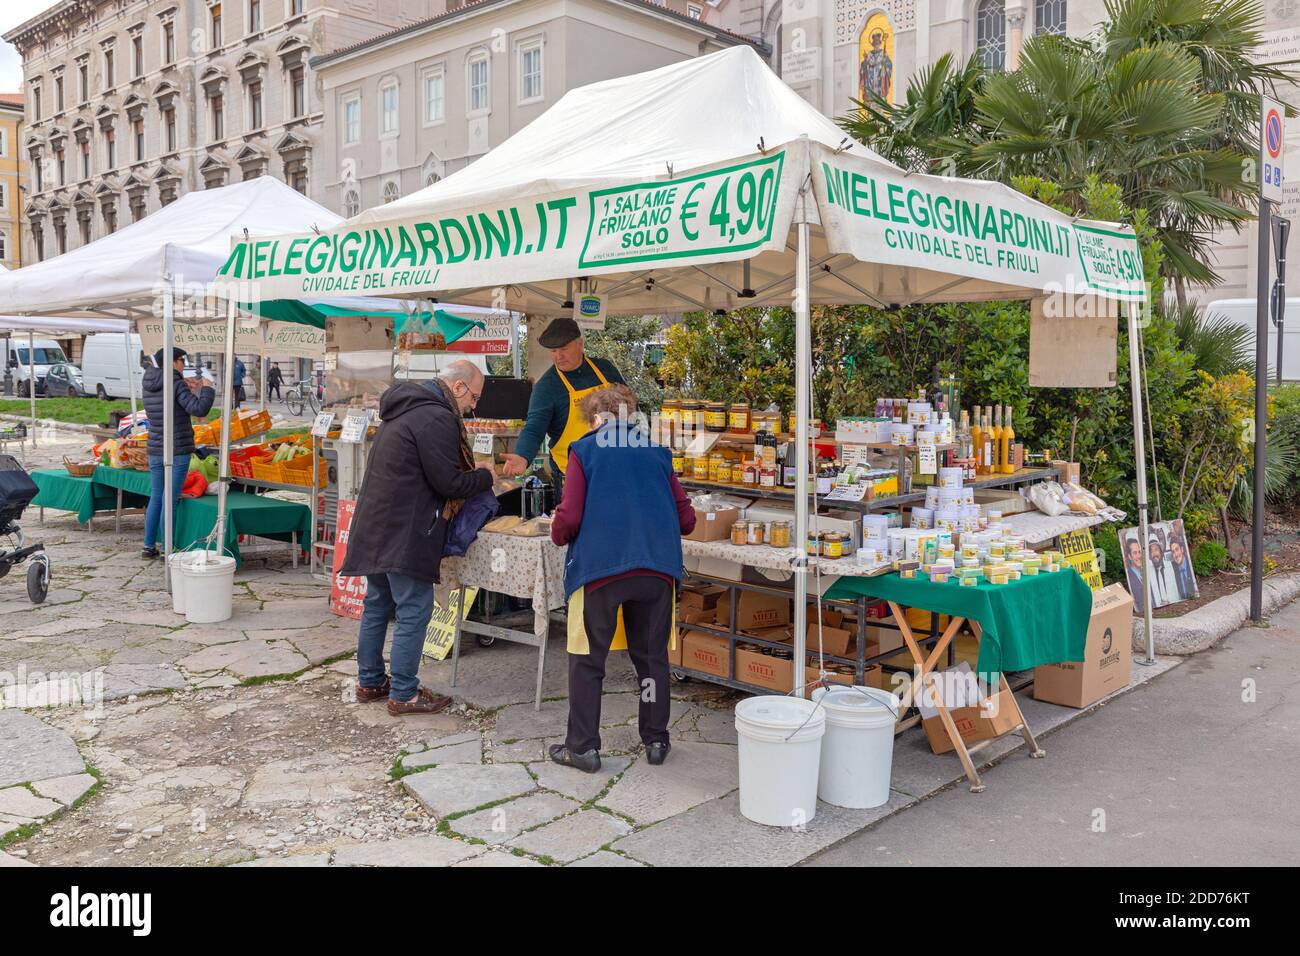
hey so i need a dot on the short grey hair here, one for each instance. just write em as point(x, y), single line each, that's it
point(461, 371)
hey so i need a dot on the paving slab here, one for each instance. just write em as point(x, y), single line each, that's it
point(301, 859)
point(460, 787)
point(31, 749)
point(496, 858)
point(121, 680)
point(576, 784)
point(692, 774)
point(506, 821)
point(21, 802)
point(67, 790)
point(715, 834)
point(409, 851)
point(605, 858)
point(573, 836)
point(470, 751)
point(312, 778)
point(13, 861)
point(522, 722)
point(247, 659)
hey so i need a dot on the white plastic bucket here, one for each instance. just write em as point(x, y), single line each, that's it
point(858, 747)
point(178, 582)
point(209, 587)
point(780, 748)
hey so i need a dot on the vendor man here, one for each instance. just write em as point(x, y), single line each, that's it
point(553, 408)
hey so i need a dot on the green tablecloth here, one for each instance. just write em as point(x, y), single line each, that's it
point(1036, 620)
point(60, 491)
point(195, 517)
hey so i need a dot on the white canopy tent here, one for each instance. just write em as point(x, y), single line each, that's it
point(165, 264)
point(708, 184)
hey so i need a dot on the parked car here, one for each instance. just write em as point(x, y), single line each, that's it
point(64, 380)
point(46, 352)
point(108, 364)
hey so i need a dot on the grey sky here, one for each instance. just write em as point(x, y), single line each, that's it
point(12, 13)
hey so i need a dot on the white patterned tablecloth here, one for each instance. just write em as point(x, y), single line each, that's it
point(1036, 527)
point(514, 565)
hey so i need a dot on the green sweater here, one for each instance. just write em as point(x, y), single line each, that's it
point(548, 408)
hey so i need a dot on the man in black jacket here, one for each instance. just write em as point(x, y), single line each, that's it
point(273, 380)
point(189, 396)
point(420, 461)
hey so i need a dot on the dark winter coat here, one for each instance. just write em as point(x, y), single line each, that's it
point(275, 377)
point(413, 470)
point(185, 404)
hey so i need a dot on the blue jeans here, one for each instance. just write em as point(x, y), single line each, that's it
point(153, 516)
point(409, 602)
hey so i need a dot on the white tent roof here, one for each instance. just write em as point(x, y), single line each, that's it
point(678, 189)
point(187, 241)
point(51, 325)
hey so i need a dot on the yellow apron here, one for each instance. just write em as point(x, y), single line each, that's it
point(578, 643)
point(576, 426)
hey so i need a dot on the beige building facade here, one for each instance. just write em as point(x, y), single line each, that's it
point(132, 103)
point(402, 110)
point(12, 172)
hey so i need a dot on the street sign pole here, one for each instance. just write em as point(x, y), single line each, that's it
point(1281, 232)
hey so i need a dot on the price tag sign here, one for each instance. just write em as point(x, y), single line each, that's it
point(482, 443)
point(855, 492)
point(928, 459)
point(354, 427)
point(320, 428)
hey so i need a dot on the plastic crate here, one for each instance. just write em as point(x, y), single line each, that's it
point(269, 471)
point(297, 471)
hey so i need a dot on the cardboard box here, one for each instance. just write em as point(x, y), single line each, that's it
point(834, 640)
point(781, 635)
point(754, 610)
point(1067, 470)
point(1107, 655)
point(705, 653)
point(763, 670)
point(675, 653)
point(700, 597)
point(882, 640)
point(812, 674)
point(696, 617)
point(991, 717)
point(713, 567)
point(713, 525)
point(830, 616)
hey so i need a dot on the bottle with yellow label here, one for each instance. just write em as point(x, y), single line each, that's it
point(1008, 439)
point(995, 467)
point(986, 451)
point(977, 440)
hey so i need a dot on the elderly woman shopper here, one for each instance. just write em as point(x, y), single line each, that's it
point(620, 516)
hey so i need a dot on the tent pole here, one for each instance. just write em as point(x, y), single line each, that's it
point(31, 379)
point(802, 363)
point(130, 375)
point(227, 392)
point(169, 426)
point(1139, 447)
point(514, 345)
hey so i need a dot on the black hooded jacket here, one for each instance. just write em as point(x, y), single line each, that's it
point(413, 469)
point(185, 404)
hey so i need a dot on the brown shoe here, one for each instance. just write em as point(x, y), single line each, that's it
point(422, 703)
point(366, 695)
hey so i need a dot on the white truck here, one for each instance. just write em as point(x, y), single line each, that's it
point(1241, 312)
point(108, 364)
point(20, 365)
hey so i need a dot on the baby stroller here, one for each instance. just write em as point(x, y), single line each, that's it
point(16, 492)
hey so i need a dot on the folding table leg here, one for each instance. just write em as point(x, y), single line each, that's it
point(1034, 750)
point(117, 515)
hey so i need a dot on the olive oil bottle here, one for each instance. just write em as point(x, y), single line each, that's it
point(977, 440)
point(1008, 439)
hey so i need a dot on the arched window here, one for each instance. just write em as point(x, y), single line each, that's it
point(991, 33)
point(1049, 17)
point(351, 204)
point(432, 178)
point(390, 191)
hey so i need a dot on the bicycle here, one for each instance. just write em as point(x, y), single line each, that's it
point(299, 397)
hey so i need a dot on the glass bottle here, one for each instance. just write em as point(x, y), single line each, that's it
point(1008, 438)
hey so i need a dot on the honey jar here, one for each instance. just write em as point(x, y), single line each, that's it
point(717, 463)
point(739, 532)
point(679, 461)
point(834, 544)
point(767, 477)
point(755, 535)
point(715, 417)
point(738, 418)
point(671, 410)
point(699, 467)
point(692, 416)
point(779, 534)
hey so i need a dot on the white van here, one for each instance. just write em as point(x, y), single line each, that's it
point(106, 362)
point(1242, 312)
point(47, 352)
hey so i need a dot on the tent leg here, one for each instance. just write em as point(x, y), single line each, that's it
point(130, 375)
point(227, 391)
point(514, 346)
point(31, 380)
point(169, 428)
point(802, 364)
point(1139, 447)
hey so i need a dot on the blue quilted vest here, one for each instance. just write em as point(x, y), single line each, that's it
point(629, 521)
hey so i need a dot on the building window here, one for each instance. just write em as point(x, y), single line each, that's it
point(255, 105)
point(391, 193)
point(298, 180)
point(169, 129)
point(694, 12)
point(110, 220)
point(215, 18)
point(85, 159)
point(137, 129)
point(137, 56)
point(254, 15)
point(4, 142)
point(1049, 17)
point(110, 77)
point(298, 91)
point(60, 166)
point(110, 148)
point(295, 8)
point(4, 244)
point(435, 95)
point(478, 83)
point(36, 104)
point(137, 206)
point(83, 82)
point(218, 108)
point(61, 237)
point(58, 94)
point(351, 204)
point(83, 227)
point(991, 33)
point(352, 121)
point(388, 109)
point(4, 196)
point(169, 43)
point(530, 71)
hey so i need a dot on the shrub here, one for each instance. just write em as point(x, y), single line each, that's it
point(1106, 539)
point(1209, 558)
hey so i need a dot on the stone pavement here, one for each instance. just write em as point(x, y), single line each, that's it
point(241, 742)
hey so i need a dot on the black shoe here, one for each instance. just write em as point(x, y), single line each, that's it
point(656, 753)
point(149, 553)
point(588, 762)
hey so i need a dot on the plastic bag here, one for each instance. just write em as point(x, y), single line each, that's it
point(1049, 498)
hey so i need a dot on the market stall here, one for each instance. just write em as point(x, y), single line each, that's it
point(628, 194)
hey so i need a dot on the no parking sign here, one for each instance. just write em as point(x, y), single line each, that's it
point(1272, 133)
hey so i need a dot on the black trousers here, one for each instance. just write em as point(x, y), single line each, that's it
point(647, 604)
point(273, 389)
